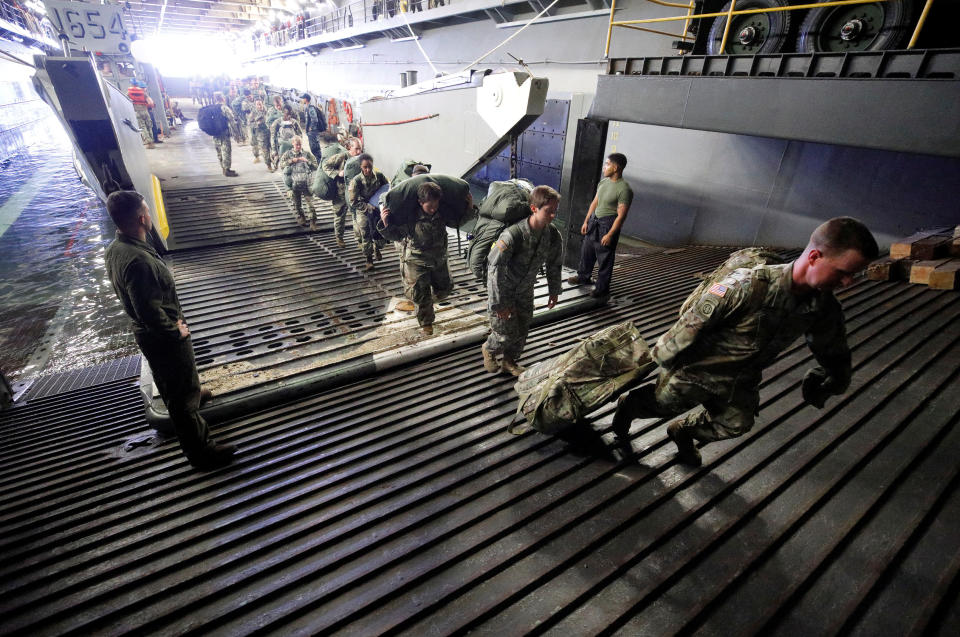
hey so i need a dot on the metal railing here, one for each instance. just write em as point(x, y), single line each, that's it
point(345, 17)
point(732, 11)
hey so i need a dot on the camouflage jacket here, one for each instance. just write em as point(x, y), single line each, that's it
point(361, 188)
point(273, 114)
point(424, 239)
point(287, 164)
point(280, 134)
point(738, 326)
point(257, 120)
point(144, 285)
point(335, 161)
point(233, 125)
point(514, 261)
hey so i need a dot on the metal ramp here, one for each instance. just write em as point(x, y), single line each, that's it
point(401, 505)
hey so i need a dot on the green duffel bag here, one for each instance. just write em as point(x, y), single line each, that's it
point(324, 186)
point(557, 393)
point(507, 201)
point(406, 171)
point(402, 201)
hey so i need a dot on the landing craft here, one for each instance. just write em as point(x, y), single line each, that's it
point(378, 488)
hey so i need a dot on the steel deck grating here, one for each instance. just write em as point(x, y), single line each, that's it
point(400, 504)
point(127, 367)
point(272, 310)
point(218, 215)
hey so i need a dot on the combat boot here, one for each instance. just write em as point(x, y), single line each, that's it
point(622, 420)
point(427, 329)
point(377, 254)
point(368, 267)
point(215, 456)
point(301, 220)
point(205, 396)
point(313, 225)
point(230, 173)
point(256, 160)
point(576, 280)
point(686, 446)
point(341, 243)
point(489, 360)
point(511, 367)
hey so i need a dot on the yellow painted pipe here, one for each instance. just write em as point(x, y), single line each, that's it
point(672, 4)
point(672, 35)
point(923, 18)
point(613, 7)
point(726, 27)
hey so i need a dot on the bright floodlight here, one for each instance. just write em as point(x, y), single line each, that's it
point(185, 56)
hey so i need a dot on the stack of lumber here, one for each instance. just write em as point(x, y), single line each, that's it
point(931, 258)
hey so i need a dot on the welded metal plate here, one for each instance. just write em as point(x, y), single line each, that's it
point(218, 215)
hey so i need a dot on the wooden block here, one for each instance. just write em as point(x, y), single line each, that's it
point(946, 276)
point(881, 269)
point(902, 249)
point(955, 247)
point(921, 270)
point(956, 232)
point(931, 247)
point(900, 270)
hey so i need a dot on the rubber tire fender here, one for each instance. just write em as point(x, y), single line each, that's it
point(894, 32)
point(776, 38)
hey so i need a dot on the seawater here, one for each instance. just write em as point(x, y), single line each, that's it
point(58, 311)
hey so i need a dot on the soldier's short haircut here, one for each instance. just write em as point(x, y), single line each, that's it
point(328, 136)
point(123, 206)
point(419, 169)
point(218, 97)
point(542, 195)
point(837, 235)
point(362, 157)
point(353, 141)
point(619, 159)
point(246, 91)
point(287, 109)
point(429, 191)
point(296, 138)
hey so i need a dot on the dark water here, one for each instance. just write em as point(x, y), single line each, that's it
point(57, 309)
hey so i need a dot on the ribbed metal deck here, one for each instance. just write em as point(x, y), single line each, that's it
point(219, 215)
point(400, 504)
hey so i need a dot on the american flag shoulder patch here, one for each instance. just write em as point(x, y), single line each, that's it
point(717, 290)
point(502, 245)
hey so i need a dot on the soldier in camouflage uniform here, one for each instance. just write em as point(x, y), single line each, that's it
point(146, 290)
point(298, 165)
point(359, 193)
point(282, 132)
point(259, 134)
point(713, 357)
point(222, 142)
point(512, 266)
point(334, 160)
point(426, 275)
point(275, 112)
point(235, 102)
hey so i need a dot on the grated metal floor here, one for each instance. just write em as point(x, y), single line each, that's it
point(400, 504)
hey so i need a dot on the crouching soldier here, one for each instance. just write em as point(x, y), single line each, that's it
point(512, 266)
point(298, 166)
point(426, 275)
point(713, 357)
point(360, 192)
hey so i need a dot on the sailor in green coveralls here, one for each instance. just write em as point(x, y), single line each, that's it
point(146, 289)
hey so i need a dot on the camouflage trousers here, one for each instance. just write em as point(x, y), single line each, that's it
point(508, 336)
point(298, 196)
point(423, 283)
point(146, 126)
point(714, 416)
point(363, 231)
point(224, 151)
point(260, 140)
point(340, 212)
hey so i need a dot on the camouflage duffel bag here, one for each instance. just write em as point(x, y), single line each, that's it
point(555, 394)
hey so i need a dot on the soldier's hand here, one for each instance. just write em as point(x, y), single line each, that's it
point(583, 228)
point(184, 330)
point(385, 216)
point(552, 301)
point(340, 174)
point(606, 239)
point(504, 313)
